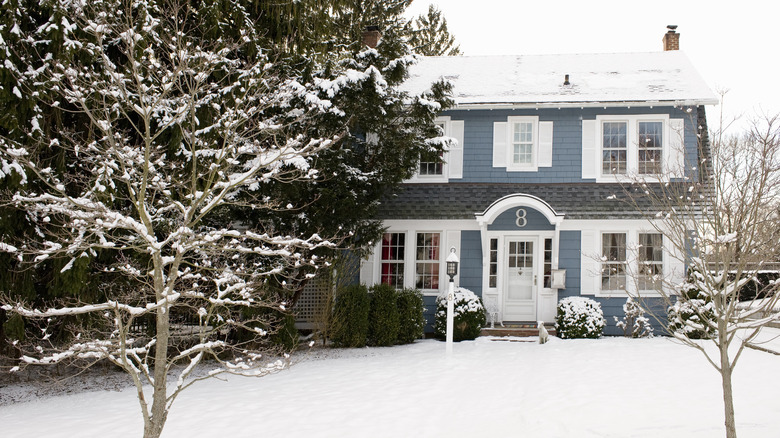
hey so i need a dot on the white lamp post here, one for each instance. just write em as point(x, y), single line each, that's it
point(452, 271)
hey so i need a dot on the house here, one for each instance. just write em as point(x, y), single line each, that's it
point(529, 197)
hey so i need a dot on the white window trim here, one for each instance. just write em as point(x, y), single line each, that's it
point(446, 241)
point(444, 177)
point(647, 292)
point(615, 292)
point(534, 166)
point(442, 265)
point(632, 146)
point(632, 263)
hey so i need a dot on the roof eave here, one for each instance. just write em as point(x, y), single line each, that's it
point(590, 104)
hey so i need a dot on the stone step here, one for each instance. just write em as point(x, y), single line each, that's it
point(517, 330)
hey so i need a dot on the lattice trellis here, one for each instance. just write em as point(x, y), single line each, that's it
point(313, 300)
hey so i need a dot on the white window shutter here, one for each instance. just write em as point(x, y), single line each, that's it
point(674, 265)
point(367, 269)
point(589, 262)
point(545, 144)
point(500, 143)
point(590, 157)
point(676, 151)
point(455, 155)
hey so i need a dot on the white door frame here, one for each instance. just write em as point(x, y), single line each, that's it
point(542, 296)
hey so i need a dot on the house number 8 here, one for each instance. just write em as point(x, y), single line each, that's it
point(521, 220)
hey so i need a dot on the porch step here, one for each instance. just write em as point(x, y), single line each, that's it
point(514, 329)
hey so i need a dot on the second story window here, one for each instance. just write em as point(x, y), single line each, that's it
point(614, 151)
point(651, 141)
point(649, 146)
point(432, 163)
point(522, 144)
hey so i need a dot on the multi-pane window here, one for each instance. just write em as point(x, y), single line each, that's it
point(523, 143)
point(431, 162)
point(393, 245)
point(427, 261)
point(547, 263)
point(650, 147)
point(493, 267)
point(651, 261)
point(613, 261)
point(614, 144)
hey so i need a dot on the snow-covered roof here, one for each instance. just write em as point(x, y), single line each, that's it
point(538, 80)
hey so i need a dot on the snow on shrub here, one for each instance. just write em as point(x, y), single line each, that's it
point(634, 324)
point(579, 317)
point(691, 313)
point(469, 316)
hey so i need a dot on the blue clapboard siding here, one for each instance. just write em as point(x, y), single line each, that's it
point(567, 142)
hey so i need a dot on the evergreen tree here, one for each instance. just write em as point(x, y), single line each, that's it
point(429, 36)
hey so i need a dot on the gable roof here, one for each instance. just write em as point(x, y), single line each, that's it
point(538, 80)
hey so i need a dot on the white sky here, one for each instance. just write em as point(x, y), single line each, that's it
point(731, 43)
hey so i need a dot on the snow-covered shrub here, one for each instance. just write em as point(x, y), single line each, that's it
point(469, 316)
point(692, 310)
point(579, 317)
point(410, 316)
point(383, 321)
point(349, 325)
point(634, 324)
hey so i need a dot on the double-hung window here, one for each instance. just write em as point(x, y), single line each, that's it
point(393, 253)
point(522, 147)
point(650, 147)
point(614, 149)
point(432, 162)
point(613, 261)
point(427, 261)
point(651, 261)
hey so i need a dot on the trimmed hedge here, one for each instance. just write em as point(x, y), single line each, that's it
point(349, 325)
point(383, 320)
point(410, 316)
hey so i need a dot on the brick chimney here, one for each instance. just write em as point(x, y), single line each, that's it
point(671, 38)
point(371, 36)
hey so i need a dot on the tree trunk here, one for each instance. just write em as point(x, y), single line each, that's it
point(153, 428)
point(728, 395)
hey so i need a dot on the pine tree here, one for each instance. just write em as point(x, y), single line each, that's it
point(429, 36)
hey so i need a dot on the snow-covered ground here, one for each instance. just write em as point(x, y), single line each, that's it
point(612, 387)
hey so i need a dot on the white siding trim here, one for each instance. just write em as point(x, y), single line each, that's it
point(545, 144)
point(675, 153)
point(590, 156)
point(367, 267)
point(589, 265)
point(500, 145)
point(455, 154)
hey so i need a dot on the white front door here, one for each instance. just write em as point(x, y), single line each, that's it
point(521, 280)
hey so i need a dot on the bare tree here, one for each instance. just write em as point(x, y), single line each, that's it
point(178, 129)
point(721, 221)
